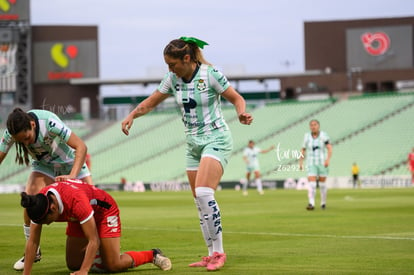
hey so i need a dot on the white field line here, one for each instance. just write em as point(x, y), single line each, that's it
point(394, 237)
point(305, 235)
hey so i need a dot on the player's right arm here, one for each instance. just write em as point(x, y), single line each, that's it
point(267, 150)
point(143, 108)
point(81, 149)
point(2, 156)
point(302, 153)
point(329, 148)
point(245, 156)
point(301, 158)
point(6, 142)
point(231, 95)
point(31, 247)
point(91, 234)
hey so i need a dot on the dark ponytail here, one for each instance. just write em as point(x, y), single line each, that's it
point(37, 206)
point(18, 121)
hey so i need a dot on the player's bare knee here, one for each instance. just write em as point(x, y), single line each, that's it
point(73, 266)
point(114, 267)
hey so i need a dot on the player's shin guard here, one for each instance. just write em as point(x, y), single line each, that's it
point(259, 185)
point(324, 192)
point(245, 185)
point(211, 214)
point(312, 192)
point(26, 231)
point(204, 230)
point(140, 257)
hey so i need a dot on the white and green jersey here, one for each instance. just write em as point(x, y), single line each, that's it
point(251, 155)
point(50, 146)
point(198, 99)
point(316, 152)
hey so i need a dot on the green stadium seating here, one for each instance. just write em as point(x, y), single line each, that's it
point(374, 131)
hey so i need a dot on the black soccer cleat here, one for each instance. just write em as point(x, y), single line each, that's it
point(310, 207)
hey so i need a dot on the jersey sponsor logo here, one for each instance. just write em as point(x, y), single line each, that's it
point(314, 148)
point(216, 216)
point(194, 124)
point(187, 101)
point(223, 80)
point(52, 124)
point(189, 104)
point(40, 155)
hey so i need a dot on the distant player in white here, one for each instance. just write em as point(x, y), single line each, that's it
point(250, 157)
point(318, 151)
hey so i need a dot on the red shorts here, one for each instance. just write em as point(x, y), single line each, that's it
point(108, 223)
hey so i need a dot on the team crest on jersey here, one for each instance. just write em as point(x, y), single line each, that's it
point(112, 221)
point(201, 85)
point(48, 140)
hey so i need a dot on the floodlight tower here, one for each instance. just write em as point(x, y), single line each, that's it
point(15, 56)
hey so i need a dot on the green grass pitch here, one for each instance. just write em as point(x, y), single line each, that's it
point(362, 231)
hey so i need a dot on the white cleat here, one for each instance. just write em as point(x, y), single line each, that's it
point(19, 265)
point(160, 260)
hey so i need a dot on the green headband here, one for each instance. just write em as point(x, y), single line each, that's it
point(198, 42)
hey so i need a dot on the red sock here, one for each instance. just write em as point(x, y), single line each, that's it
point(141, 257)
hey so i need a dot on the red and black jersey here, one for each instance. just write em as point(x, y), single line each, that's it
point(79, 201)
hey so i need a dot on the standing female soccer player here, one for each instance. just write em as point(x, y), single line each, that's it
point(94, 226)
point(318, 152)
point(251, 158)
point(57, 153)
point(197, 87)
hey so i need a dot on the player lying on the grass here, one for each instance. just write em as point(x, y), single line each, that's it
point(93, 227)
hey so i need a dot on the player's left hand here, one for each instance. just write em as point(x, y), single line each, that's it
point(127, 124)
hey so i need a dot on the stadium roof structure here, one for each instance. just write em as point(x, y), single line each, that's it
point(156, 80)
